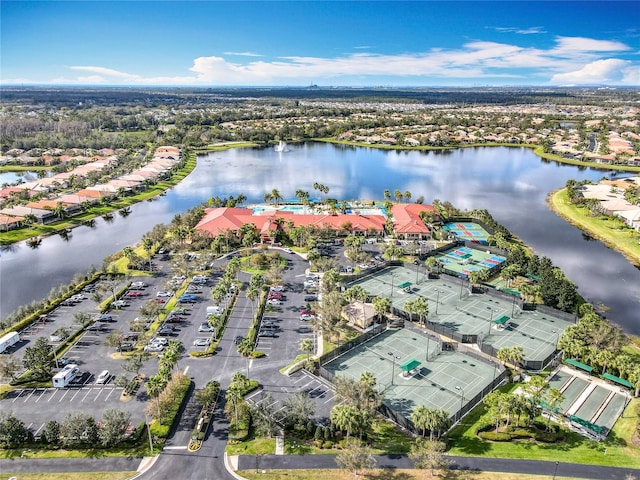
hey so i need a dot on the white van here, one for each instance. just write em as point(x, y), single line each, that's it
point(215, 310)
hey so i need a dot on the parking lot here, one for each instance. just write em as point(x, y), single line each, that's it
point(36, 406)
point(302, 381)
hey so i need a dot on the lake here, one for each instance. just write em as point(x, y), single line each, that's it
point(512, 183)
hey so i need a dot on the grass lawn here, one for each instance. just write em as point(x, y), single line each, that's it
point(612, 232)
point(71, 476)
point(386, 474)
point(617, 450)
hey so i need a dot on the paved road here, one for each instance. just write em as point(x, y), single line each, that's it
point(533, 467)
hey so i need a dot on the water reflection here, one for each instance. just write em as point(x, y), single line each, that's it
point(511, 183)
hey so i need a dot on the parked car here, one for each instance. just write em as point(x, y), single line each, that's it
point(187, 298)
point(126, 347)
point(165, 330)
point(201, 342)
point(154, 347)
point(120, 304)
point(269, 325)
point(205, 327)
point(166, 293)
point(310, 298)
point(287, 250)
point(277, 288)
point(179, 311)
point(267, 333)
point(105, 318)
point(274, 301)
point(103, 377)
point(133, 293)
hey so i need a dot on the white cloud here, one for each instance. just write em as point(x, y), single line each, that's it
point(569, 45)
point(243, 54)
point(109, 72)
point(608, 71)
point(571, 60)
point(521, 31)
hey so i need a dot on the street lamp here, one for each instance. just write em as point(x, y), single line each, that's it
point(393, 365)
point(458, 387)
point(146, 417)
point(392, 285)
point(555, 471)
point(491, 310)
point(438, 292)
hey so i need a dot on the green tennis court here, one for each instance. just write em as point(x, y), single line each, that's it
point(449, 380)
point(451, 306)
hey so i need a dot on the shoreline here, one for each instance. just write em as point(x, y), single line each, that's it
point(558, 205)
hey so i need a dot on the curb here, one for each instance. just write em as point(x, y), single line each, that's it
point(231, 465)
point(145, 464)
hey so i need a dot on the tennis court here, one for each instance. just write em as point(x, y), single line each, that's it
point(461, 261)
point(471, 232)
point(448, 380)
point(452, 307)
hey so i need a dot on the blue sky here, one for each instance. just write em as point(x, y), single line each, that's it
point(328, 43)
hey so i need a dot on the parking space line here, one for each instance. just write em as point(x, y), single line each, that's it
point(53, 394)
point(100, 390)
point(64, 395)
point(76, 394)
point(38, 430)
point(29, 396)
point(41, 395)
point(254, 394)
point(107, 397)
point(86, 394)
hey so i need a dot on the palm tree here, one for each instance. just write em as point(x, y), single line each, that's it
point(421, 308)
point(275, 195)
point(397, 194)
point(420, 416)
point(307, 347)
point(147, 244)
point(234, 398)
point(381, 305)
point(345, 418)
point(554, 398)
point(387, 194)
point(245, 350)
point(59, 210)
point(407, 195)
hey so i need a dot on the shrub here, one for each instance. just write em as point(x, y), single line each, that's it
point(327, 444)
point(495, 436)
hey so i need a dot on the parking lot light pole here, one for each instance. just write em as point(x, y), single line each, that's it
point(458, 387)
point(490, 319)
point(437, 299)
point(393, 365)
point(146, 417)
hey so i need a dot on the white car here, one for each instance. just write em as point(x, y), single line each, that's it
point(205, 327)
point(119, 304)
point(103, 377)
point(288, 250)
point(274, 301)
point(277, 288)
point(167, 293)
point(201, 342)
point(154, 347)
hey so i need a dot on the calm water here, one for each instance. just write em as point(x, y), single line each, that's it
point(511, 183)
